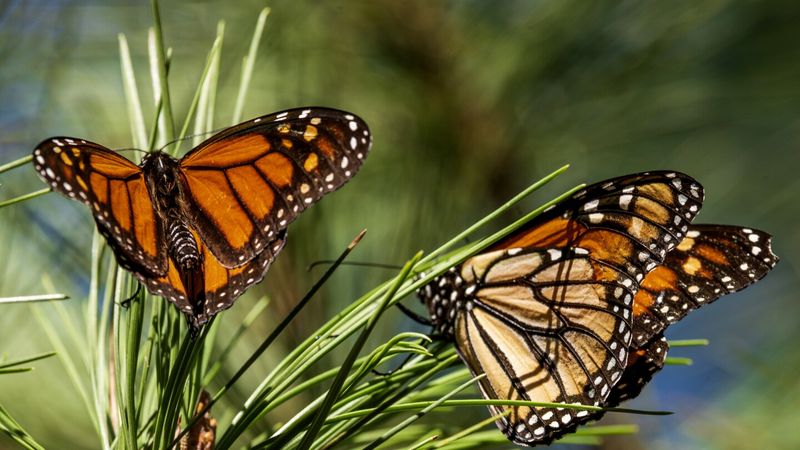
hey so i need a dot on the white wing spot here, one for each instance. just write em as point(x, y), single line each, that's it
point(625, 201)
point(595, 218)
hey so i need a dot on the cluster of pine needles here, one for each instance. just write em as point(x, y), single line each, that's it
point(141, 373)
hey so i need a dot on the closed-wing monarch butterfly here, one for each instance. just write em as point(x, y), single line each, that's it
point(555, 313)
point(202, 229)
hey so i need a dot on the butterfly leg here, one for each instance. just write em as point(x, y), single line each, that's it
point(125, 303)
point(413, 316)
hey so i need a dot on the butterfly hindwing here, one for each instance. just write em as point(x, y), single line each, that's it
point(224, 285)
point(643, 363)
point(266, 171)
point(221, 285)
point(115, 191)
point(711, 261)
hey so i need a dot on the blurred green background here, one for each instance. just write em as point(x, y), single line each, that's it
point(469, 102)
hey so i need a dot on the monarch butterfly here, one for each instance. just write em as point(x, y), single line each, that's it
point(554, 313)
point(202, 229)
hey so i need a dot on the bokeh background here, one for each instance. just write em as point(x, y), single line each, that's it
point(469, 102)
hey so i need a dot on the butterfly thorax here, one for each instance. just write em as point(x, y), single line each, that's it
point(162, 173)
point(445, 297)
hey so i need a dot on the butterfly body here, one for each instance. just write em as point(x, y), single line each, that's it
point(201, 229)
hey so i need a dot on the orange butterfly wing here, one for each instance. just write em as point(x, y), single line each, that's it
point(247, 183)
point(631, 221)
point(711, 261)
point(115, 190)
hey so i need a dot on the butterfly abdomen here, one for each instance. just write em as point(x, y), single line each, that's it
point(182, 246)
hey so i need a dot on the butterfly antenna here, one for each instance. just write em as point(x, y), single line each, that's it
point(131, 149)
point(353, 263)
point(192, 136)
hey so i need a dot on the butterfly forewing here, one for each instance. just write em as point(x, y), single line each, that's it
point(290, 159)
point(630, 222)
point(711, 261)
point(115, 190)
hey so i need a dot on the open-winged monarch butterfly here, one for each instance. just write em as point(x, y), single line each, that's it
point(550, 313)
point(202, 229)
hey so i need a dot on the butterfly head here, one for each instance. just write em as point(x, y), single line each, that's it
point(162, 172)
point(445, 297)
